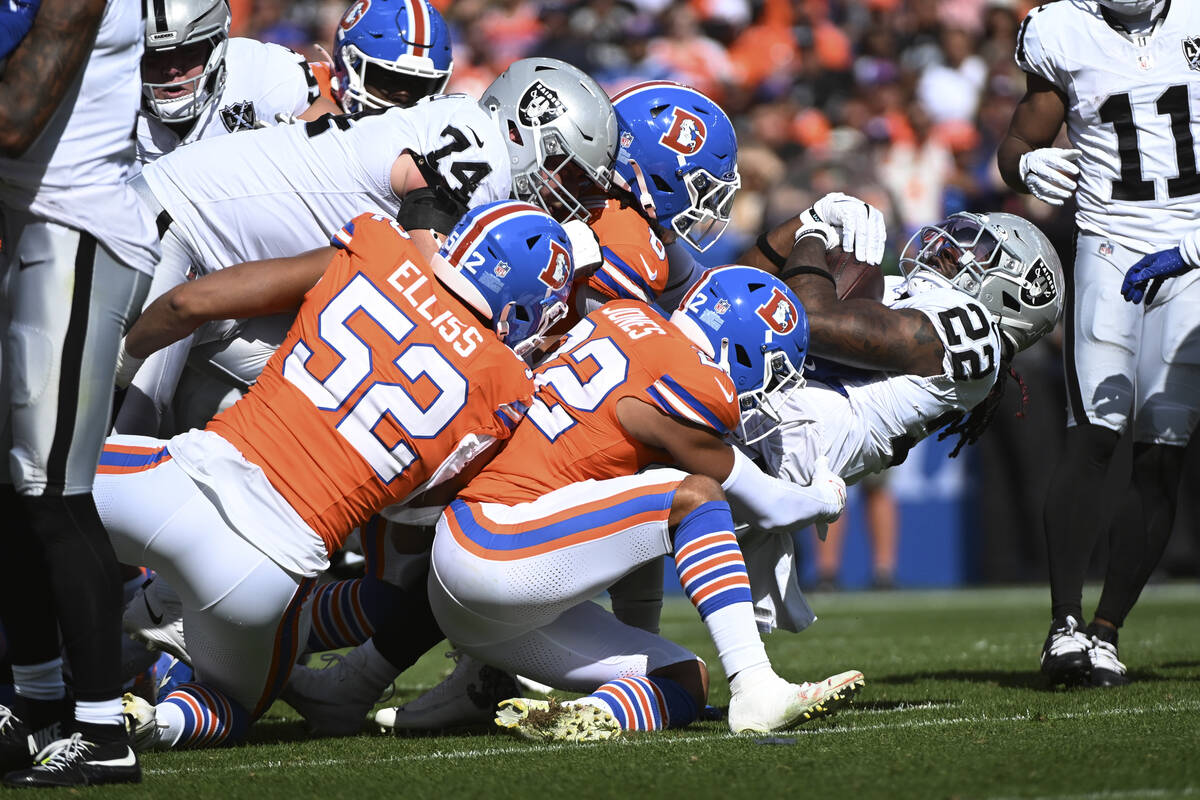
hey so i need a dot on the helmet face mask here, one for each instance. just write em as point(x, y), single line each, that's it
point(390, 53)
point(756, 330)
point(561, 133)
point(678, 157)
point(190, 35)
point(1000, 259)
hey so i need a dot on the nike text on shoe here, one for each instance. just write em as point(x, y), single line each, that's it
point(552, 721)
point(155, 617)
point(467, 697)
point(775, 704)
point(1107, 669)
point(78, 762)
point(1065, 654)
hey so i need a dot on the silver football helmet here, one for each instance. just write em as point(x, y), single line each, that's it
point(1129, 8)
point(196, 31)
point(561, 132)
point(1000, 259)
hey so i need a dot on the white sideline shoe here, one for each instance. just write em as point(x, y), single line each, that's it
point(145, 732)
point(336, 700)
point(467, 697)
point(552, 721)
point(154, 617)
point(774, 704)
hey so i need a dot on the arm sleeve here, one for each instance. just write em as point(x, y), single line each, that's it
point(769, 503)
point(685, 270)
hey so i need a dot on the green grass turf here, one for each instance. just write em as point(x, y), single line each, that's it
point(953, 707)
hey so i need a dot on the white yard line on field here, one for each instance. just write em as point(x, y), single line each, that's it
point(532, 749)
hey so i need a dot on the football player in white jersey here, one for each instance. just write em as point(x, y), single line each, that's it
point(76, 252)
point(198, 83)
point(1124, 75)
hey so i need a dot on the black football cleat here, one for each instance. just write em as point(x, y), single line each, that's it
point(1107, 669)
point(14, 742)
point(78, 762)
point(1065, 657)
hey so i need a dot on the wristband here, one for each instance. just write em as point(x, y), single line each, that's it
point(793, 272)
point(765, 248)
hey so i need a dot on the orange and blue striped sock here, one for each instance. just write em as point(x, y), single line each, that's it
point(713, 573)
point(196, 715)
point(347, 613)
point(647, 704)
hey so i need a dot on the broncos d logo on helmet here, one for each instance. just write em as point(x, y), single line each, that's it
point(779, 313)
point(355, 13)
point(686, 134)
point(557, 272)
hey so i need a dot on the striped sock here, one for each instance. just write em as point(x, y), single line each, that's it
point(200, 716)
point(647, 704)
point(713, 574)
point(339, 616)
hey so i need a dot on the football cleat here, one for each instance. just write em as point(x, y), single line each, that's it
point(1065, 656)
point(78, 762)
point(334, 701)
point(467, 697)
point(14, 742)
point(776, 704)
point(552, 721)
point(1107, 669)
point(155, 617)
point(141, 721)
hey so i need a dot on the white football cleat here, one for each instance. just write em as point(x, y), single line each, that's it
point(467, 697)
point(145, 732)
point(774, 704)
point(335, 701)
point(154, 617)
point(552, 721)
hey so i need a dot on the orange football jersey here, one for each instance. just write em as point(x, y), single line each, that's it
point(385, 381)
point(571, 433)
point(635, 260)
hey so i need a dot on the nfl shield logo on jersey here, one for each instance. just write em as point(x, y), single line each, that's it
point(1191, 51)
point(238, 116)
point(539, 105)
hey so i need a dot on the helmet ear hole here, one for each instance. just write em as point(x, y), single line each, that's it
point(1010, 302)
point(514, 134)
point(742, 356)
point(660, 184)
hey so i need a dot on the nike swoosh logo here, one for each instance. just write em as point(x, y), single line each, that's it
point(478, 141)
point(728, 396)
point(155, 618)
point(652, 274)
point(129, 760)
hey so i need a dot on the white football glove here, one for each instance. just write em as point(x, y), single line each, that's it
point(831, 489)
point(585, 246)
point(127, 367)
point(860, 224)
point(1050, 173)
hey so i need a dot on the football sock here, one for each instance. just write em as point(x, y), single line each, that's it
point(1144, 523)
point(713, 574)
point(42, 681)
point(403, 638)
point(200, 716)
point(100, 720)
point(86, 582)
point(26, 598)
point(339, 616)
point(1075, 513)
point(646, 703)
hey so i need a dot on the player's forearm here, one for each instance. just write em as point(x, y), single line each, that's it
point(42, 69)
point(770, 504)
point(1008, 159)
point(164, 322)
point(770, 250)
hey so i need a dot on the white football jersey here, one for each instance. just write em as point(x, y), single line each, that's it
point(1133, 102)
point(75, 173)
point(261, 81)
point(862, 420)
point(282, 191)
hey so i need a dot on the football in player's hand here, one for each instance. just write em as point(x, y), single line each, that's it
point(854, 278)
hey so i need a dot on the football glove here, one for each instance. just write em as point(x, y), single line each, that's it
point(1050, 173)
point(860, 225)
point(585, 247)
point(1145, 278)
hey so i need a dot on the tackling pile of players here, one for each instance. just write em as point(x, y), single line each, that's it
point(474, 334)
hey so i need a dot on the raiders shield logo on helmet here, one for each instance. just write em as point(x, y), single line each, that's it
point(1191, 51)
point(558, 270)
point(686, 134)
point(779, 313)
point(238, 116)
point(1039, 289)
point(539, 105)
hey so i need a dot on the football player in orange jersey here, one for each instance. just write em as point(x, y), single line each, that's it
point(571, 507)
point(397, 374)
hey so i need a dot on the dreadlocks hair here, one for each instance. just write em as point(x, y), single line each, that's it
point(970, 426)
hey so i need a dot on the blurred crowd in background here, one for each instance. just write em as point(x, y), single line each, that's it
point(900, 102)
